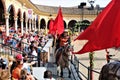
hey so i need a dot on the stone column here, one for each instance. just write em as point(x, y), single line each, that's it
point(38, 25)
point(15, 20)
point(66, 25)
point(21, 19)
point(7, 23)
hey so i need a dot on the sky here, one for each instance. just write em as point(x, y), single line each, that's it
point(68, 3)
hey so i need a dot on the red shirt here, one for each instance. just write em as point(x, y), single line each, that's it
point(63, 41)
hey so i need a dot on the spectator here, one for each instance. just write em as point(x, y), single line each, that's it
point(4, 73)
point(10, 62)
point(48, 75)
point(17, 67)
point(27, 65)
point(17, 70)
point(25, 76)
point(62, 40)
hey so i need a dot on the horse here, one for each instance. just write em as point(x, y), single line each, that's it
point(62, 59)
point(110, 71)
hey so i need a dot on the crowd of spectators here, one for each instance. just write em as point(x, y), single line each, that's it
point(18, 66)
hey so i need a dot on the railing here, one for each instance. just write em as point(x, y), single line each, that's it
point(76, 64)
point(9, 50)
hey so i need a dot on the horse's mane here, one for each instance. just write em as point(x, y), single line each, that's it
point(63, 49)
point(109, 71)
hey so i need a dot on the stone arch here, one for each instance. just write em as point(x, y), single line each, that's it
point(37, 22)
point(11, 11)
point(42, 23)
point(2, 18)
point(13, 8)
point(24, 20)
point(3, 3)
point(19, 14)
point(84, 24)
point(71, 24)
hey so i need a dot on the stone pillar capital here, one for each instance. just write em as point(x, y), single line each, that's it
point(26, 20)
point(15, 17)
point(30, 21)
point(6, 15)
point(21, 19)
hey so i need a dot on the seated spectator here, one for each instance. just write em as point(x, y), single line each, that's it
point(17, 67)
point(17, 70)
point(48, 75)
point(27, 65)
point(18, 58)
point(25, 76)
point(3, 63)
point(4, 73)
point(10, 62)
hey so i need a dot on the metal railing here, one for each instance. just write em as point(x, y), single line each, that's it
point(76, 64)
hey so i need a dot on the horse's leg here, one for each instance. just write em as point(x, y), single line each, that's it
point(69, 75)
point(61, 69)
point(58, 71)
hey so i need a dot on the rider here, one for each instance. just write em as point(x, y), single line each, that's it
point(62, 40)
point(62, 51)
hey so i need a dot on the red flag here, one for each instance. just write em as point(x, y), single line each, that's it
point(104, 32)
point(52, 30)
point(59, 23)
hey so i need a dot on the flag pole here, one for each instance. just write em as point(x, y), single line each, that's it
point(91, 65)
point(107, 56)
point(54, 47)
point(55, 39)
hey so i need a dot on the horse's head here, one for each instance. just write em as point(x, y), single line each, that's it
point(67, 49)
point(110, 71)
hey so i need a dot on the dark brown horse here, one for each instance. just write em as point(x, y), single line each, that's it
point(110, 71)
point(62, 58)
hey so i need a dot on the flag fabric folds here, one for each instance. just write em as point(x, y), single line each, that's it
point(104, 32)
point(59, 23)
point(52, 30)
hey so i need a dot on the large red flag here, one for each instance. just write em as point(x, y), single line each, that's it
point(52, 30)
point(59, 23)
point(104, 32)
